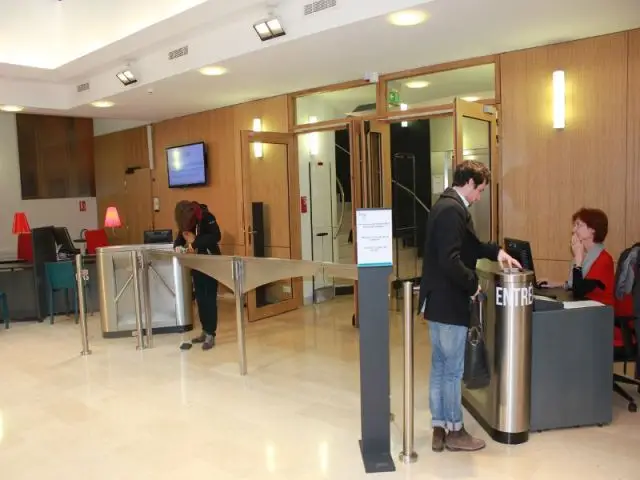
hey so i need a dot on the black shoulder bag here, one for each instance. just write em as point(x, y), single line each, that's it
point(477, 374)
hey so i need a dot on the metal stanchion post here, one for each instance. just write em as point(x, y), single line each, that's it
point(238, 281)
point(81, 306)
point(146, 298)
point(408, 455)
point(136, 299)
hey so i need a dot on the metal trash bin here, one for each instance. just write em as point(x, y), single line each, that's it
point(504, 407)
point(170, 291)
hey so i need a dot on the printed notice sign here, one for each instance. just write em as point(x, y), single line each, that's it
point(374, 237)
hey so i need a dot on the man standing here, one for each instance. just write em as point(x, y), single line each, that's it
point(449, 283)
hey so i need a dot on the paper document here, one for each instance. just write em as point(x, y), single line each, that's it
point(583, 304)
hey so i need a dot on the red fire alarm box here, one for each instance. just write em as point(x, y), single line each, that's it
point(303, 205)
point(82, 205)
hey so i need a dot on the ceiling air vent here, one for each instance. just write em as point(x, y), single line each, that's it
point(315, 7)
point(179, 52)
point(83, 87)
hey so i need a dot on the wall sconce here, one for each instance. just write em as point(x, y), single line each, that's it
point(559, 98)
point(313, 140)
point(257, 146)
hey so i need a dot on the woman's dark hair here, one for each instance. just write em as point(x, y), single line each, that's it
point(471, 170)
point(594, 219)
point(186, 215)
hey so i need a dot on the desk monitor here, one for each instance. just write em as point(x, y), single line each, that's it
point(62, 238)
point(158, 236)
point(521, 251)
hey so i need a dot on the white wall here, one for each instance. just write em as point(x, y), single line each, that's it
point(60, 212)
point(317, 183)
point(102, 126)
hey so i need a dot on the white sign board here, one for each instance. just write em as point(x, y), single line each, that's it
point(437, 184)
point(374, 235)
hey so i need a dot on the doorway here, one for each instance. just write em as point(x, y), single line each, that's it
point(270, 193)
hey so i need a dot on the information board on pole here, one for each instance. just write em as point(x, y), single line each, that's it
point(374, 235)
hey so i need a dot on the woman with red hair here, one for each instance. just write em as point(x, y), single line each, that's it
point(592, 273)
point(198, 232)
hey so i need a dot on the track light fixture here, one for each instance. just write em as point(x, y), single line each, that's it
point(269, 29)
point(127, 77)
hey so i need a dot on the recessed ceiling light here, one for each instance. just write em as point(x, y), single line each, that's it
point(102, 104)
point(470, 99)
point(213, 71)
point(417, 84)
point(408, 18)
point(11, 108)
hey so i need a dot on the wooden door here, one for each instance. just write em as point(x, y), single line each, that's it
point(475, 133)
point(270, 196)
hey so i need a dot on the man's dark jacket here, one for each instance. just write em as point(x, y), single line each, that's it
point(451, 251)
point(207, 232)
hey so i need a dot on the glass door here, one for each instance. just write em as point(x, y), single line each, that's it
point(475, 138)
point(270, 192)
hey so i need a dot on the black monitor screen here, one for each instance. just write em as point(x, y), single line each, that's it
point(187, 165)
point(158, 236)
point(521, 251)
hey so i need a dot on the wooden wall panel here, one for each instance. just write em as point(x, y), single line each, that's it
point(56, 156)
point(220, 130)
point(633, 141)
point(130, 193)
point(547, 173)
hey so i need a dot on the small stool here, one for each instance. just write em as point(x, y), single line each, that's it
point(4, 309)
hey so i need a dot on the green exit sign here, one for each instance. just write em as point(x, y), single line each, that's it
point(394, 97)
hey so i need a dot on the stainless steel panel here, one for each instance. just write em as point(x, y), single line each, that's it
point(166, 278)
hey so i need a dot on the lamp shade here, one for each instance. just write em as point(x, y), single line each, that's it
point(20, 223)
point(111, 218)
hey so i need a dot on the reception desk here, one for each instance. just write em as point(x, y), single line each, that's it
point(18, 282)
point(551, 360)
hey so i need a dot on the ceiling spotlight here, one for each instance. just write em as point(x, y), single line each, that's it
point(11, 108)
point(102, 104)
point(213, 71)
point(408, 18)
point(417, 84)
point(269, 29)
point(126, 77)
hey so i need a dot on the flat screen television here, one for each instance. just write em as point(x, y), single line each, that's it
point(187, 165)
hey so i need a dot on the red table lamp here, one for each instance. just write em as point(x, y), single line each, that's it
point(112, 219)
point(20, 223)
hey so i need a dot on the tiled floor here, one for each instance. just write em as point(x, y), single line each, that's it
point(168, 414)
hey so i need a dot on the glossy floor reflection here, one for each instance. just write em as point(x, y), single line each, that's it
point(167, 414)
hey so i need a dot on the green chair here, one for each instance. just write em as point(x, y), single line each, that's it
point(61, 276)
point(4, 309)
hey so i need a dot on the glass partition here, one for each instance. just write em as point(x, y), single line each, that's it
point(337, 104)
point(471, 84)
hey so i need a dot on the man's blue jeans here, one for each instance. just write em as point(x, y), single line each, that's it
point(447, 367)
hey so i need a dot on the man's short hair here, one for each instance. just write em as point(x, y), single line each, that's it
point(471, 170)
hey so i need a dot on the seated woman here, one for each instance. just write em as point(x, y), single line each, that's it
point(592, 273)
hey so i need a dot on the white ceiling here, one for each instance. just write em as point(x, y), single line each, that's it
point(60, 31)
point(336, 45)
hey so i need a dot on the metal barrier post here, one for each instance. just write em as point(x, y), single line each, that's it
point(81, 307)
point(408, 455)
point(146, 298)
point(238, 281)
point(136, 299)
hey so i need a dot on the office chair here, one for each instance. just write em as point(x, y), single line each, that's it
point(625, 349)
point(625, 338)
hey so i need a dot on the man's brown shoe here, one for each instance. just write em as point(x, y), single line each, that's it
point(461, 441)
point(437, 442)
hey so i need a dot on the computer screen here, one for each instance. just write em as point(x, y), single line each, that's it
point(158, 236)
point(521, 251)
point(63, 239)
